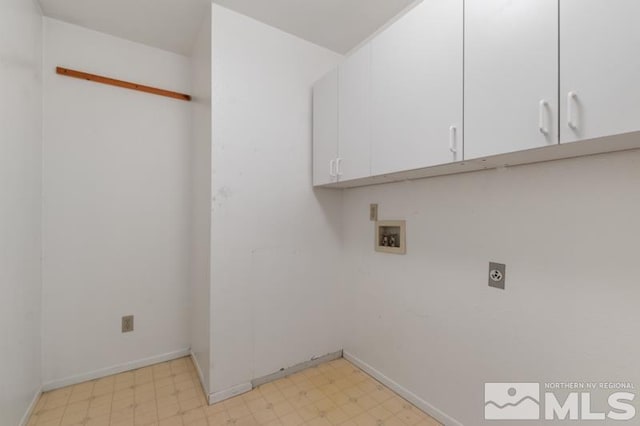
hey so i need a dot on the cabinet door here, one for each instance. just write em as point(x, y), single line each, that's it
point(511, 75)
point(599, 69)
point(355, 115)
point(417, 76)
point(325, 129)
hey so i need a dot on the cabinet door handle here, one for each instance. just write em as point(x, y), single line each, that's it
point(571, 100)
point(452, 139)
point(332, 168)
point(542, 114)
point(338, 167)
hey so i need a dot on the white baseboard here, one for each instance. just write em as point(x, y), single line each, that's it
point(205, 388)
point(229, 393)
point(32, 406)
point(295, 368)
point(434, 412)
point(246, 387)
point(103, 372)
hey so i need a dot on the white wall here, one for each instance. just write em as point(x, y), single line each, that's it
point(20, 206)
point(116, 205)
point(568, 232)
point(200, 254)
point(276, 284)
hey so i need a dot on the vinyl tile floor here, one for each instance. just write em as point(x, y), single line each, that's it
point(169, 394)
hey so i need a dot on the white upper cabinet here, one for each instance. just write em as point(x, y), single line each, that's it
point(354, 112)
point(454, 81)
point(599, 69)
point(511, 74)
point(325, 129)
point(417, 72)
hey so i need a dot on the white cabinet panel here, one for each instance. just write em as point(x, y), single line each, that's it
point(511, 75)
point(600, 65)
point(355, 115)
point(325, 129)
point(417, 73)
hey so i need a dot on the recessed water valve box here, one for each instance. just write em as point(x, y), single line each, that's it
point(391, 236)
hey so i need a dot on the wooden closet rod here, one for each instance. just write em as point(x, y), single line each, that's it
point(120, 83)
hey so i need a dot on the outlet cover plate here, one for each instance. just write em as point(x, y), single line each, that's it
point(127, 324)
point(373, 212)
point(497, 275)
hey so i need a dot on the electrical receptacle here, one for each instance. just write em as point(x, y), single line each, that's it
point(497, 275)
point(127, 323)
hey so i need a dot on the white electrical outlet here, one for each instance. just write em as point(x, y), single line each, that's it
point(497, 275)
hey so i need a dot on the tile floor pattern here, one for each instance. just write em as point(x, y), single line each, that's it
point(169, 394)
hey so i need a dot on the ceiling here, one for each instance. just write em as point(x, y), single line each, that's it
point(167, 24)
point(338, 25)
